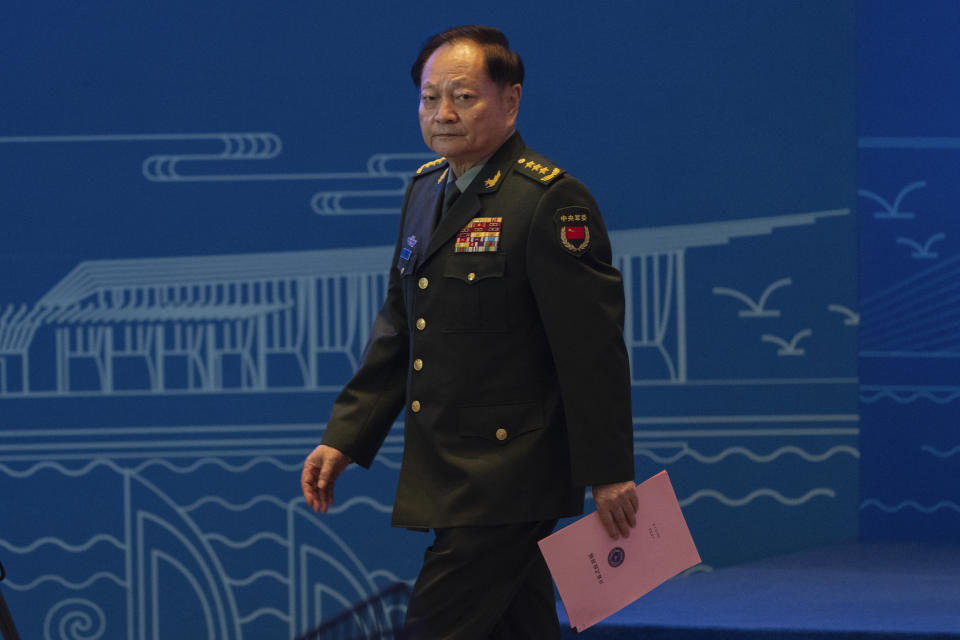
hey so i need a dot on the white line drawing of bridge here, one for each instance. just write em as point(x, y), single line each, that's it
point(219, 323)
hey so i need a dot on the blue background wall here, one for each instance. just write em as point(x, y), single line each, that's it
point(199, 201)
point(910, 253)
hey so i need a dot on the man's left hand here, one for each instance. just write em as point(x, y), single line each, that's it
point(617, 507)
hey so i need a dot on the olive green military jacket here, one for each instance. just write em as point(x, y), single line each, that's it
point(501, 339)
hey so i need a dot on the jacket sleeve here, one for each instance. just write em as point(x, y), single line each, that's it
point(368, 405)
point(581, 302)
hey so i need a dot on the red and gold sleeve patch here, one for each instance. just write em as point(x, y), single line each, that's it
point(481, 235)
point(573, 229)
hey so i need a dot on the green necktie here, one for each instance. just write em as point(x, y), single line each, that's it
point(449, 195)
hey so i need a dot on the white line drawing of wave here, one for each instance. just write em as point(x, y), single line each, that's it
point(753, 456)
point(908, 396)
point(75, 618)
point(249, 542)
point(852, 318)
point(266, 611)
point(753, 495)
point(56, 466)
point(892, 211)
point(217, 500)
point(226, 466)
point(73, 586)
point(390, 576)
point(365, 500)
point(697, 568)
point(66, 546)
point(788, 348)
point(755, 309)
point(940, 454)
point(259, 575)
point(922, 252)
point(910, 504)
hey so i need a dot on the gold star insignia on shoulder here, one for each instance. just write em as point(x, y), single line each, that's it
point(538, 168)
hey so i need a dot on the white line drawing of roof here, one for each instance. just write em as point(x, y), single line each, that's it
point(709, 234)
point(97, 276)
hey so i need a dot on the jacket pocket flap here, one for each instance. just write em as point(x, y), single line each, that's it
point(473, 268)
point(500, 423)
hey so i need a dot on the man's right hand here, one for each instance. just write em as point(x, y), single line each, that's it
point(320, 471)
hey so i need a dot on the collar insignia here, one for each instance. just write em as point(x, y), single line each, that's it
point(490, 183)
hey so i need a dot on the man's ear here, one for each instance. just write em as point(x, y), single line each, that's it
point(512, 95)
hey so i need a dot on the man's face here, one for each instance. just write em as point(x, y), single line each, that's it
point(464, 115)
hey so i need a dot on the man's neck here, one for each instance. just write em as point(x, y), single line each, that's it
point(458, 169)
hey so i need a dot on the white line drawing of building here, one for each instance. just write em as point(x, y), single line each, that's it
point(215, 323)
point(17, 328)
point(200, 311)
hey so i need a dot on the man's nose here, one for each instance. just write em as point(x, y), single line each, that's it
point(446, 112)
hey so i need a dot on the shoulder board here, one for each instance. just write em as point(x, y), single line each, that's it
point(538, 168)
point(430, 166)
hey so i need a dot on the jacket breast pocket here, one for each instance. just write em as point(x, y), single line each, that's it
point(500, 423)
point(475, 293)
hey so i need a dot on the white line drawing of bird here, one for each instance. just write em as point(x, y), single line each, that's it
point(892, 211)
point(922, 252)
point(756, 309)
point(852, 317)
point(788, 348)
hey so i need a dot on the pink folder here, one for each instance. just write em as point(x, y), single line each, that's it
point(597, 576)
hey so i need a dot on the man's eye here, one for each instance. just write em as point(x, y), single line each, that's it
point(427, 99)
point(465, 97)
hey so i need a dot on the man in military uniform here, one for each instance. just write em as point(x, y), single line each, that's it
point(501, 339)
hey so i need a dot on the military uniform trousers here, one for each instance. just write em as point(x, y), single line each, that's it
point(485, 583)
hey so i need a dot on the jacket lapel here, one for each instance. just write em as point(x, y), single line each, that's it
point(470, 203)
point(417, 231)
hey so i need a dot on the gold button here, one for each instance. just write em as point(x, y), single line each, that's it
point(415, 406)
point(501, 434)
point(423, 283)
point(421, 324)
point(471, 276)
point(417, 364)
